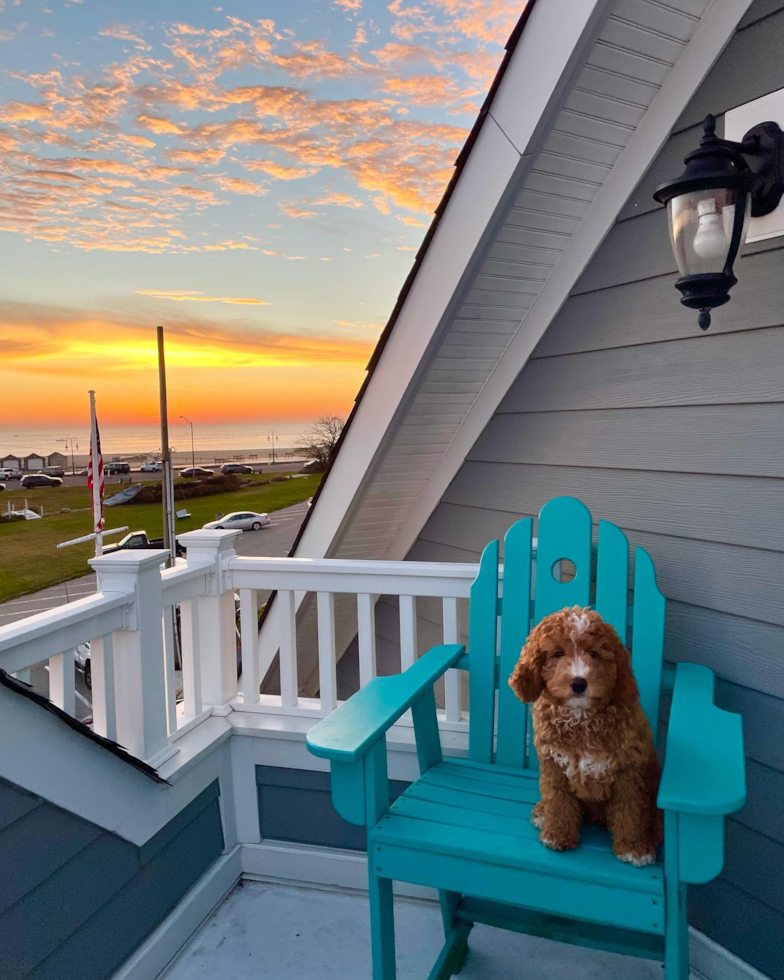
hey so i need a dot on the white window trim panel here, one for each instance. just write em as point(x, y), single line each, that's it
point(737, 122)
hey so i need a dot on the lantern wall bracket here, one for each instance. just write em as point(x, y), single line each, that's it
point(763, 150)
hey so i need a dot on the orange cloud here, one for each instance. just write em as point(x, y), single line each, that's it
point(194, 296)
point(278, 170)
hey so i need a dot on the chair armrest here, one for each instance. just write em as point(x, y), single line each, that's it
point(704, 767)
point(353, 728)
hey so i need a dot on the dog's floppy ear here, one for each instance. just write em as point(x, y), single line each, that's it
point(526, 680)
point(625, 690)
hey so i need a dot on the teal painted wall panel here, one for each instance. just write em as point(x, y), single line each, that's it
point(77, 901)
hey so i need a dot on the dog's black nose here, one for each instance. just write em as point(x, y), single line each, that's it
point(579, 684)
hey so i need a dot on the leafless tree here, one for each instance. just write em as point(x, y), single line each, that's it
point(319, 439)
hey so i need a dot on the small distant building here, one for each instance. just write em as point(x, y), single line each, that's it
point(56, 459)
point(33, 463)
point(11, 462)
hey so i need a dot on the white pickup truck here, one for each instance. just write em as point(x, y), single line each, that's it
point(9, 474)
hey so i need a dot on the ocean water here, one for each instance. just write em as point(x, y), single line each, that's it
point(131, 440)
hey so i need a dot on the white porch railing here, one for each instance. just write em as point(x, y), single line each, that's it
point(294, 577)
point(129, 624)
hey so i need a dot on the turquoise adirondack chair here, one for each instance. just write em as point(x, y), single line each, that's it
point(463, 827)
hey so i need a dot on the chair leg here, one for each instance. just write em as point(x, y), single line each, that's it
point(382, 927)
point(676, 939)
point(449, 902)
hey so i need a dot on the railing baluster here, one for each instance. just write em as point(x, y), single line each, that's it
point(452, 677)
point(288, 649)
point(102, 674)
point(366, 621)
point(327, 650)
point(249, 631)
point(191, 658)
point(170, 682)
point(408, 631)
point(62, 691)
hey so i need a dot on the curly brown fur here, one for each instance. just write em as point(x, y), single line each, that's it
point(596, 755)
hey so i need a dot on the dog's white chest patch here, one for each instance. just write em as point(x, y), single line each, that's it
point(585, 766)
point(595, 768)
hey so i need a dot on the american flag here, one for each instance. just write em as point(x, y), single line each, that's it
point(94, 465)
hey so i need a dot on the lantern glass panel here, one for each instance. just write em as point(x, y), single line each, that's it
point(701, 224)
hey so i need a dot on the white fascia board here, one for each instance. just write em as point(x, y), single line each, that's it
point(537, 74)
point(710, 38)
point(551, 36)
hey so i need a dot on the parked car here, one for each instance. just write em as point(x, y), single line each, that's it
point(156, 466)
point(83, 471)
point(8, 474)
point(191, 471)
point(138, 541)
point(33, 480)
point(53, 470)
point(2, 487)
point(82, 658)
point(241, 520)
point(228, 468)
point(116, 469)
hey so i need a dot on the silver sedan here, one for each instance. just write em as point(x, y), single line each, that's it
point(241, 520)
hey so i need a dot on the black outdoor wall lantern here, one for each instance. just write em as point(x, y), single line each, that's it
point(709, 206)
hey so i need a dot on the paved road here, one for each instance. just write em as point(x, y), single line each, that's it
point(136, 476)
point(271, 542)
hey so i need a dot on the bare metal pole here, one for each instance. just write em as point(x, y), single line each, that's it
point(168, 543)
point(193, 452)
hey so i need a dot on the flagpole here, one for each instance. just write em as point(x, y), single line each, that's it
point(168, 477)
point(95, 463)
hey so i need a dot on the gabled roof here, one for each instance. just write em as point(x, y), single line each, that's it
point(576, 115)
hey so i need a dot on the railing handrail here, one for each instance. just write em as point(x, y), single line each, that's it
point(48, 633)
point(184, 581)
point(339, 575)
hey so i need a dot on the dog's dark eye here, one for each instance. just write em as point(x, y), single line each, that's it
point(558, 653)
point(594, 654)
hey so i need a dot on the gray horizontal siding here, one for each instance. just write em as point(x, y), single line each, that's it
point(678, 437)
point(740, 440)
point(77, 901)
point(649, 311)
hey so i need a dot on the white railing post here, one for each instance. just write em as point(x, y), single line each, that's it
point(366, 637)
point(452, 677)
point(216, 617)
point(289, 685)
point(139, 669)
point(327, 650)
point(408, 631)
point(191, 658)
point(62, 689)
point(249, 635)
point(103, 689)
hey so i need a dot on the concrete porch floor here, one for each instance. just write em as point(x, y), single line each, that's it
point(285, 932)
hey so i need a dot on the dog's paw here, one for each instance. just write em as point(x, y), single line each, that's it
point(556, 843)
point(537, 816)
point(639, 856)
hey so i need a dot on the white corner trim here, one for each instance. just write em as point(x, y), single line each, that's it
point(710, 961)
point(168, 940)
point(710, 37)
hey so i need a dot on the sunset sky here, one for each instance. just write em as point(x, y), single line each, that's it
point(258, 186)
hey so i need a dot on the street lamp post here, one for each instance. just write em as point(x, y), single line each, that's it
point(272, 435)
point(193, 454)
point(73, 443)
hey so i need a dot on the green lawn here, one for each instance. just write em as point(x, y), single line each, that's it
point(30, 560)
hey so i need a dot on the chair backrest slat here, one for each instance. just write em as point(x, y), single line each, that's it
point(612, 578)
point(564, 533)
point(482, 642)
point(648, 636)
point(515, 626)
